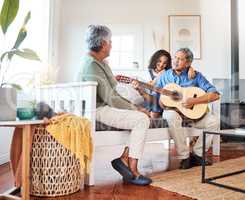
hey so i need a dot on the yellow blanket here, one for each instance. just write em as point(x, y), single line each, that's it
point(74, 133)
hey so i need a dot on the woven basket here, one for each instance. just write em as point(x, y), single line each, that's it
point(54, 170)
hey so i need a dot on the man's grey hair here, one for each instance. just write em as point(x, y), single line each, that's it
point(95, 35)
point(188, 53)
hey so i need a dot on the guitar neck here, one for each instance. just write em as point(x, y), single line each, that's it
point(156, 89)
point(125, 79)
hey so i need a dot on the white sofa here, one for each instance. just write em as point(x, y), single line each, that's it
point(80, 98)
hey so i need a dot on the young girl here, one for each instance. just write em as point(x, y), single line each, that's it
point(159, 63)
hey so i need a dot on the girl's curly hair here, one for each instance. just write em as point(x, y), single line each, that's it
point(155, 58)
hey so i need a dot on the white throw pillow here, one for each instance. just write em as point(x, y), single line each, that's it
point(128, 92)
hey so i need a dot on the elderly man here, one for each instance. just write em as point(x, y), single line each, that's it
point(179, 75)
point(112, 109)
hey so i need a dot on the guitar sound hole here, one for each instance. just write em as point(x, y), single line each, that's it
point(194, 96)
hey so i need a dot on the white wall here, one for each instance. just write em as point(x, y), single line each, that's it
point(215, 38)
point(76, 15)
point(242, 38)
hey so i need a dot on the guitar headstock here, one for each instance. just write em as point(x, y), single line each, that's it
point(123, 79)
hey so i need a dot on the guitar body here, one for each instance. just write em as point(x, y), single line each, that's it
point(196, 112)
point(168, 94)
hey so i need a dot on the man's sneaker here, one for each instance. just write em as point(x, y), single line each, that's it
point(197, 160)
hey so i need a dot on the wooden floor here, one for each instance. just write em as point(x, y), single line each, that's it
point(110, 186)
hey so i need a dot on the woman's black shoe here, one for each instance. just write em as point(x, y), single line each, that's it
point(122, 169)
point(139, 180)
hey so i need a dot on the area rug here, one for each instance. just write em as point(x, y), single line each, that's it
point(188, 182)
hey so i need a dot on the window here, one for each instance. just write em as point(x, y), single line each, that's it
point(127, 48)
point(123, 51)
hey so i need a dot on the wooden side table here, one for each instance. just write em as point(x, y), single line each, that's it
point(26, 137)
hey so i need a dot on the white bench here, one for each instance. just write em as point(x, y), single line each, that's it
point(80, 98)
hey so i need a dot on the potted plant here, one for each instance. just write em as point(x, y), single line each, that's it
point(8, 95)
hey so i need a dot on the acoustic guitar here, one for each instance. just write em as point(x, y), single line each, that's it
point(172, 96)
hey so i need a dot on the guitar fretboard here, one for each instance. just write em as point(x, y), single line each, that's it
point(125, 79)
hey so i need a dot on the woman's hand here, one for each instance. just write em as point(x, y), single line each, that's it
point(46, 121)
point(191, 73)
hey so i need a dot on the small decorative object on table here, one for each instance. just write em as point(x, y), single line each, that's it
point(25, 113)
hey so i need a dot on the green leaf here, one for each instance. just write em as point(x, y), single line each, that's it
point(13, 85)
point(9, 53)
point(8, 13)
point(16, 86)
point(22, 33)
point(27, 54)
point(3, 55)
point(20, 38)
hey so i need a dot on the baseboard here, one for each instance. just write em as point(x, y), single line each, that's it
point(4, 158)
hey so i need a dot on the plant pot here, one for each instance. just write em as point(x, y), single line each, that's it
point(8, 99)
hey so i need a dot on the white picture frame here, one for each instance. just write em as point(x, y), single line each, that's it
point(185, 31)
